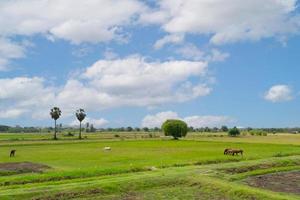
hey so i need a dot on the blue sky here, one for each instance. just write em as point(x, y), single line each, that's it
point(138, 63)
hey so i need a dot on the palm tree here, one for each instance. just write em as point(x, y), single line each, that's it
point(55, 113)
point(80, 114)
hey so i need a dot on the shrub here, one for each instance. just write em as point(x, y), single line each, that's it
point(258, 132)
point(175, 128)
point(234, 132)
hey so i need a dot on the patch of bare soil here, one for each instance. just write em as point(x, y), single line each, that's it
point(279, 182)
point(70, 195)
point(22, 167)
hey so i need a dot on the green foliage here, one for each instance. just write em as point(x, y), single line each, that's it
point(258, 132)
point(234, 132)
point(55, 113)
point(175, 128)
point(80, 114)
point(146, 129)
point(224, 128)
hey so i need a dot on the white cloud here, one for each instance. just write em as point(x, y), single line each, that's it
point(279, 93)
point(195, 121)
point(97, 123)
point(190, 51)
point(227, 23)
point(22, 95)
point(131, 81)
point(89, 21)
point(217, 56)
point(156, 120)
point(9, 50)
point(174, 38)
point(12, 113)
point(135, 81)
point(207, 121)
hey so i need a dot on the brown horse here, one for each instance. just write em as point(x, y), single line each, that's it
point(226, 151)
point(12, 153)
point(235, 152)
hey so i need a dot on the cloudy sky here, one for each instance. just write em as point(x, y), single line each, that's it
point(137, 63)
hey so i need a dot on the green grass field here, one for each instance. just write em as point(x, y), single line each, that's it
point(145, 168)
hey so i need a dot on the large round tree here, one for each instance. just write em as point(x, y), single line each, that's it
point(174, 127)
point(80, 114)
point(55, 113)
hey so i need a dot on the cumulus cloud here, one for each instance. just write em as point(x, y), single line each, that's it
point(207, 121)
point(22, 95)
point(227, 23)
point(91, 21)
point(196, 121)
point(279, 93)
point(97, 123)
point(156, 120)
point(10, 50)
point(130, 81)
point(175, 38)
point(192, 52)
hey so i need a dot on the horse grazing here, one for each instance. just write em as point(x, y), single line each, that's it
point(235, 152)
point(226, 151)
point(12, 153)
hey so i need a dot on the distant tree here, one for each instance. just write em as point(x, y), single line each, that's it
point(215, 129)
point(175, 128)
point(191, 129)
point(55, 113)
point(80, 114)
point(146, 129)
point(207, 129)
point(156, 129)
point(4, 128)
point(92, 129)
point(129, 129)
point(234, 132)
point(60, 127)
point(224, 128)
point(137, 129)
point(249, 129)
point(87, 127)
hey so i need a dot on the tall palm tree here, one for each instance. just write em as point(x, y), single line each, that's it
point(80, 114)
point(55, 113)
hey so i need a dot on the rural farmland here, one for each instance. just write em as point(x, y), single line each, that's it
point(147, 168)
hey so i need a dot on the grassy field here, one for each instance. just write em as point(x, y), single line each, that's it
point(139, 167)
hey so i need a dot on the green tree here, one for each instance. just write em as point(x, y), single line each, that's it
point(55, 113)
point(234, 132)
point(129, 129)
point(87, 127)
point(175, 128)
point(146, 129)
point(224, 128)
point(92, 129)
point(80, 114)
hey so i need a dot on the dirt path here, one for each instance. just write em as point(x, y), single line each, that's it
point(280, 182)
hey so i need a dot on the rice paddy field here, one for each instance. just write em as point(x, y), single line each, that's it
point(143, 166)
